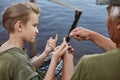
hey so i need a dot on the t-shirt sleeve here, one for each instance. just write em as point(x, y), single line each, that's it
point(26, 72)
point(80, 72)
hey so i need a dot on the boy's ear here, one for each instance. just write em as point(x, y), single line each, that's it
point(18, 26)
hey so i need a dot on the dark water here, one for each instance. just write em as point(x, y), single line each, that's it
point(58, 19)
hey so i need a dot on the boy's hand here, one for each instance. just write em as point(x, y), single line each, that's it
point(50, 45)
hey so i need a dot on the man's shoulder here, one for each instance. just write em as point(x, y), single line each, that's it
point(99, 66)
point(101, 56)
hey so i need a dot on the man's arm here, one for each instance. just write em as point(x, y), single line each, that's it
point(103, 42)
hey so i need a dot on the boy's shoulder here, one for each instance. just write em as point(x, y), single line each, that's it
point(14, 54)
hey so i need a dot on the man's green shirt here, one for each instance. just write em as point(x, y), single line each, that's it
point(105, 66)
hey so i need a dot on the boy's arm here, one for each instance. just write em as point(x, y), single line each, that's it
point(58, 53)
point(51, 43)
point(68, 67)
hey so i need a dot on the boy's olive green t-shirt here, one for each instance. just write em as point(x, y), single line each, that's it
point(15, 65)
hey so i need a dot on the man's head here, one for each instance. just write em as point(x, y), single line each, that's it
point(113, 19)
point(18, 12)
point(108, 2)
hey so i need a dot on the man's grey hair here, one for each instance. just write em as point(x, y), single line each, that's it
point(115, 12)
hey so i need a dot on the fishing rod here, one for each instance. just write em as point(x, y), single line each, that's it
point(78, 13)
point(33, 1)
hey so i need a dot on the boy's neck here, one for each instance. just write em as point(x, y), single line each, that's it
point(13, 41)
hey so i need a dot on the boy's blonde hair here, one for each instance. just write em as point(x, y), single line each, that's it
point(18, 11)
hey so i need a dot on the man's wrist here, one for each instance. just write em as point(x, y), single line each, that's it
point(93, 36)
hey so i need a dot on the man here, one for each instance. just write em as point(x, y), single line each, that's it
point(103, 66)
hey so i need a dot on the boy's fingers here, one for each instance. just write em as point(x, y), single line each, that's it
point(64, 39)
point(63, 45)
point(56, 37)
point(50, 38)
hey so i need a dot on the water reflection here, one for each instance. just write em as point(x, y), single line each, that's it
point(57, 19)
